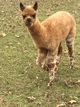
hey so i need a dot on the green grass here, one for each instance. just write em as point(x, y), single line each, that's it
point(20, 77)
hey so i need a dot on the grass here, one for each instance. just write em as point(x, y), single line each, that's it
point(22, 82)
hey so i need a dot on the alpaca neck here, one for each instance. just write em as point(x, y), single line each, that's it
point(37, 31)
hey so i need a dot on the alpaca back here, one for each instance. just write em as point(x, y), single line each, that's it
point(59, 25)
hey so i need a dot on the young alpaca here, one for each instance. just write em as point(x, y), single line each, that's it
point(49, 35)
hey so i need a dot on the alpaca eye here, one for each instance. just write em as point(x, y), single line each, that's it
point(34, 15)
point(24, 16)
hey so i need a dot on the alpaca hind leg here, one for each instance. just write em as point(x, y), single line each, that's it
point(70, 45)
point(60, 49)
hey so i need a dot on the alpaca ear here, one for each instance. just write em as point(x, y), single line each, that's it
point(22, 7)
point(35, 6)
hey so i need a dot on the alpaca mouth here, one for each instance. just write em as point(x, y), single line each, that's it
point(28, 22)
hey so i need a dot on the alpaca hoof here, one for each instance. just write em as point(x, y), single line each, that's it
point(71, 66)
point(46, 68)
point(50, 83)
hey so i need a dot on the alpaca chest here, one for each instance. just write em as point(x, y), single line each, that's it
point(44, 43)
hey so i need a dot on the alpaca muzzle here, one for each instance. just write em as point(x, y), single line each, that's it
point(28, 22)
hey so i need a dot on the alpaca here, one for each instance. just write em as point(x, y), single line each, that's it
point(48, 36)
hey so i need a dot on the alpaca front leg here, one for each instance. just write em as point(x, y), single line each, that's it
point(41, 57)
point(52, 71)
point(52, 65)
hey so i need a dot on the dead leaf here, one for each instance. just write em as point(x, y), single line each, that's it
point(17, 36)
point(2, 11)
point(10, 43)
point(48, 14)
point(69, 83)
point(31, 98)
point(18, 43)
point(78, 82)
point(78, 53)
point(39, 103)
point(37, 77)
point(65, 51)
point(62, 95)
point(2, 34)
point(72, 102)
point(77, 66)
point(46, 94)
point(61, 105)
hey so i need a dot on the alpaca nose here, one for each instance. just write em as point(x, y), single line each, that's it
point(28, 20)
